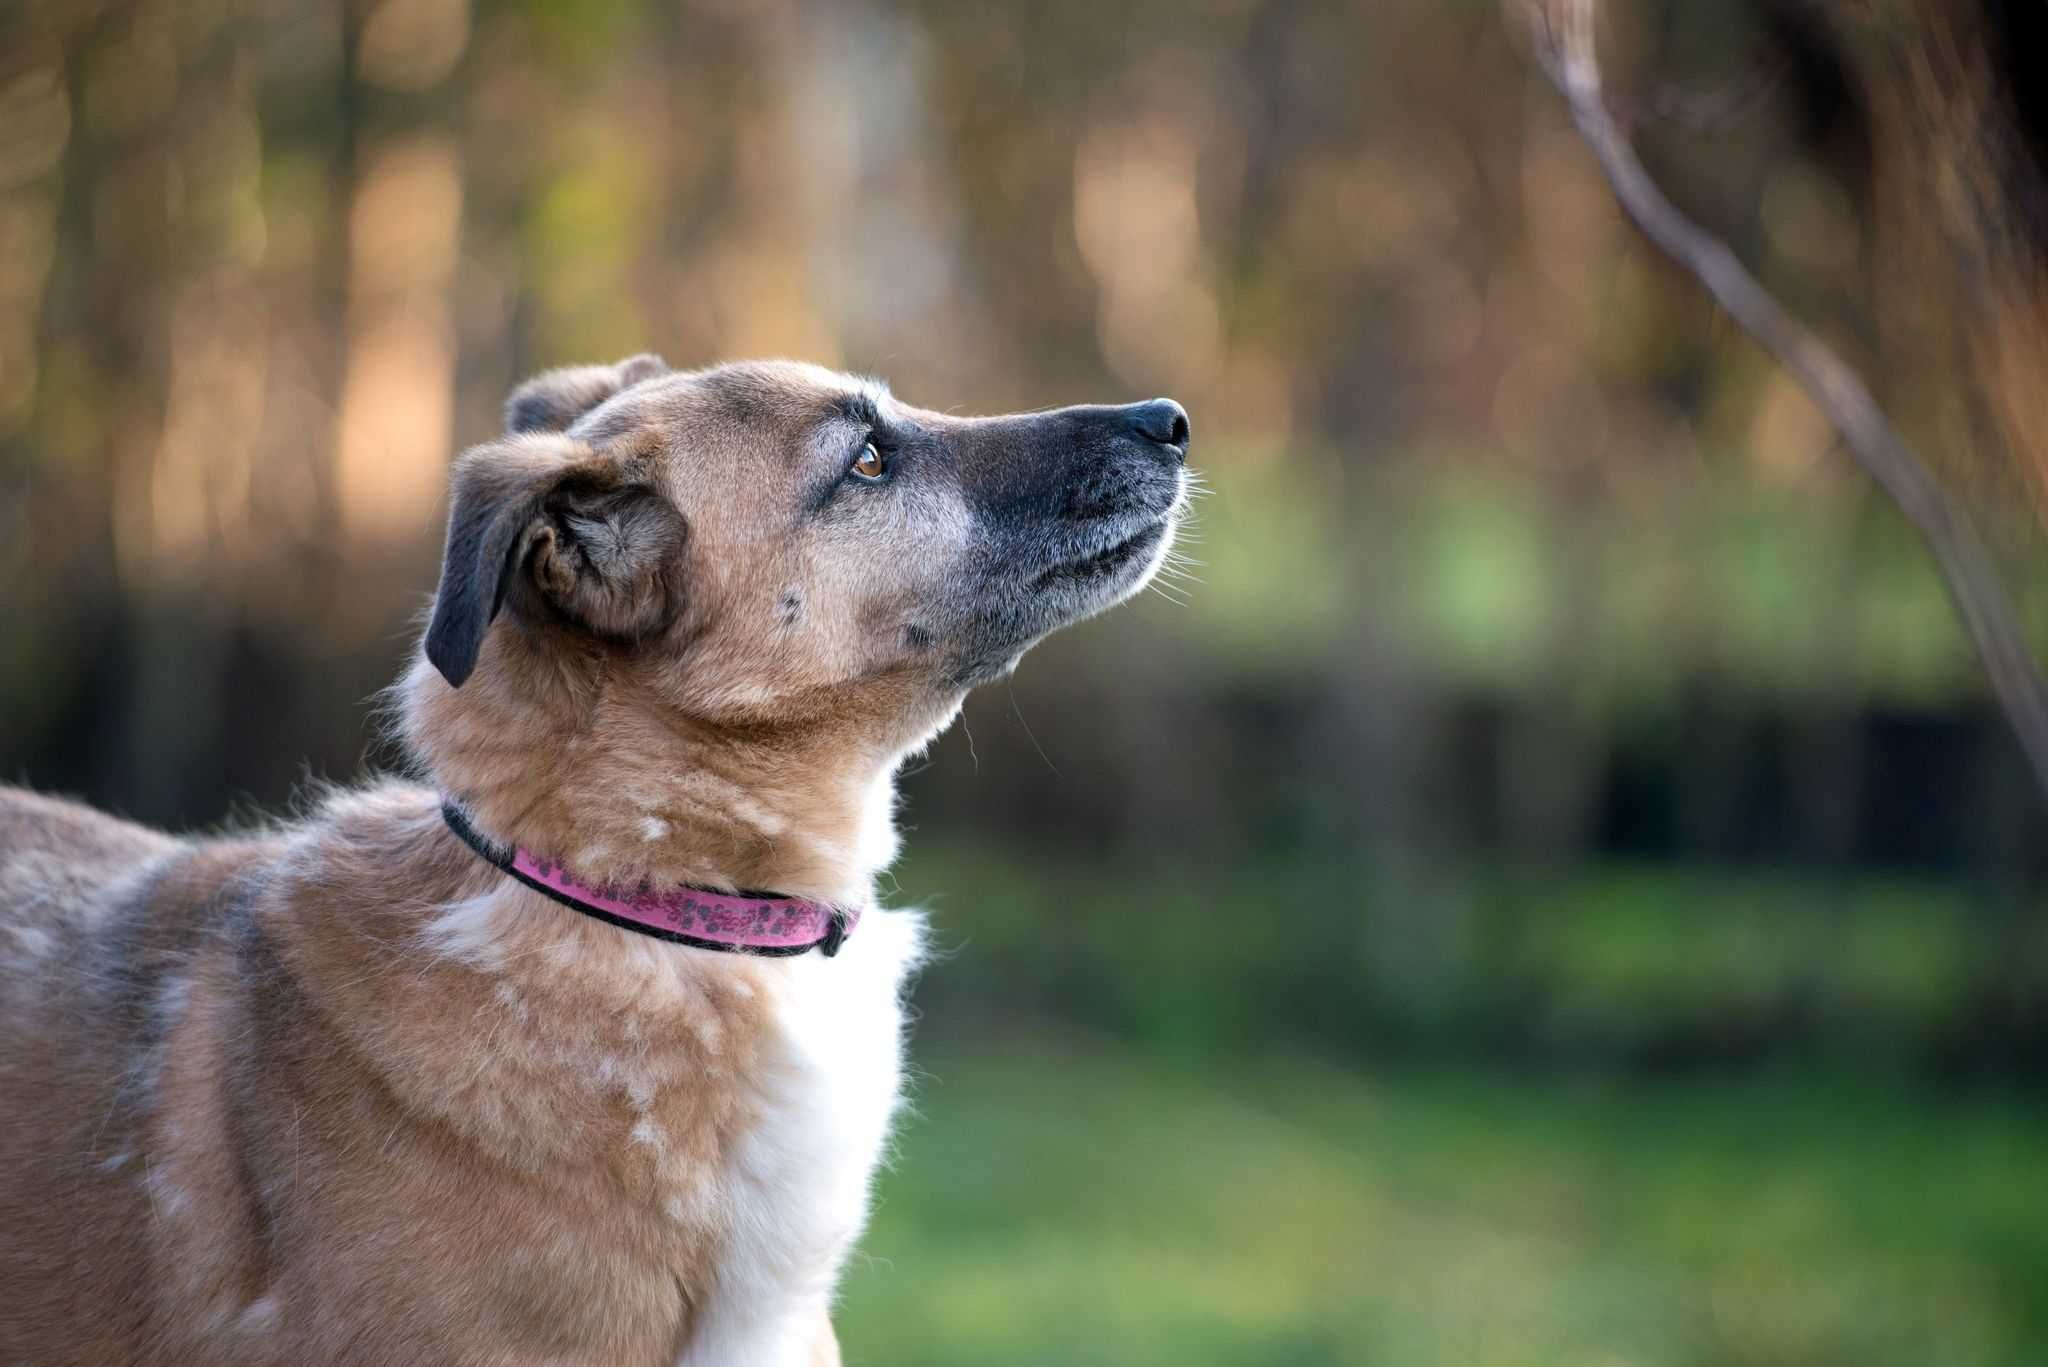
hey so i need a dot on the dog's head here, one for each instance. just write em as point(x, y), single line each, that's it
point(775, 545)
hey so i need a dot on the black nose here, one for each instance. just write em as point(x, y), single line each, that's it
point(1161, 420)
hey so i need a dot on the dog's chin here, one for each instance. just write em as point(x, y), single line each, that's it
point(1109, 577)
point(1078, 589)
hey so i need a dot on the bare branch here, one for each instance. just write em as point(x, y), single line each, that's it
point(1567, 28)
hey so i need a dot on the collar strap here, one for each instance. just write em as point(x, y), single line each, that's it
point(744, 923)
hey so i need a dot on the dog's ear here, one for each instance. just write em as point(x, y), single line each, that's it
point(553, 399)
point(545, 520)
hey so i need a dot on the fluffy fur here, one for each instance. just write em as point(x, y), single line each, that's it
point(342, 1093)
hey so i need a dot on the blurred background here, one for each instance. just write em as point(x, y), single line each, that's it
point(1552, 888)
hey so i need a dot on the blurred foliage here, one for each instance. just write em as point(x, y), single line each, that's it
point(1632, 967)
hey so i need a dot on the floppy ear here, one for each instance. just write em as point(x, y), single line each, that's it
point(545, 520)
point(553, 399)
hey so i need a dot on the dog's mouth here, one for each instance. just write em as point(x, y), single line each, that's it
point(1105, 565)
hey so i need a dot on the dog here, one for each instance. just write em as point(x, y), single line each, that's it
point(582, 1049)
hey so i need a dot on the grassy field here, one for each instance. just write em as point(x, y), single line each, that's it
point(1075, 1203)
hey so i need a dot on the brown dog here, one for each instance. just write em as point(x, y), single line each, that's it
point(351, 1092)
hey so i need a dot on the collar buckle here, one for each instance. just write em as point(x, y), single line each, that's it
point(835, 934)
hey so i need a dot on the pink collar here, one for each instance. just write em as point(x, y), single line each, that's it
point(747, 923)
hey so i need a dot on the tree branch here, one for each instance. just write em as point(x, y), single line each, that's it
point(1566, 38)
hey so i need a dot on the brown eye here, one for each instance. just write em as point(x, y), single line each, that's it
point(870, 465)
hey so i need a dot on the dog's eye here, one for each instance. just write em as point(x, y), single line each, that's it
point(870, 465)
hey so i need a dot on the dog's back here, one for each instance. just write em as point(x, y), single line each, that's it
point(82, 1012)
point(55, 858)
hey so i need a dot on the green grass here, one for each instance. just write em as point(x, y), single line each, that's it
point(1080, 1205)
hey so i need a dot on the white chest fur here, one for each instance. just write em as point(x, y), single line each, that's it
point(795, 1189)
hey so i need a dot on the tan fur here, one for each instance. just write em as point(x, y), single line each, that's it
point(343, 1093)
point(331, 1118)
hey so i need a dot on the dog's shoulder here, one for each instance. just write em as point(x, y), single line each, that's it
point(100, 919)
point(69, 872)
point(107, 930)
point(66, 873)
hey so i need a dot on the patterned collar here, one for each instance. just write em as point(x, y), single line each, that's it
point(743, 923)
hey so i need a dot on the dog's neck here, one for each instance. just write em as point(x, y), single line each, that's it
point(629, 795)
